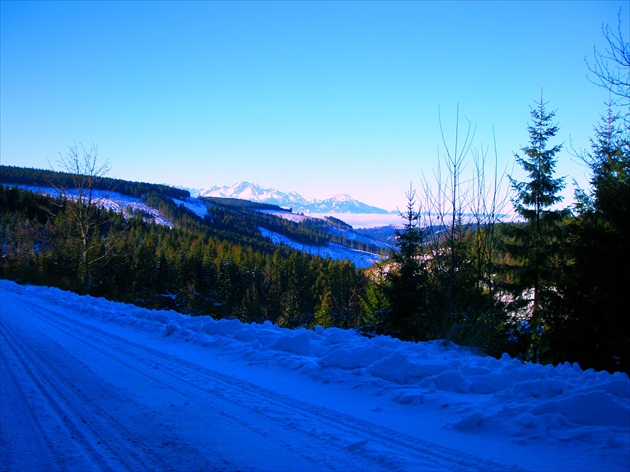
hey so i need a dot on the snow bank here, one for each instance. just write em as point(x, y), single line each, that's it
point(484, 395)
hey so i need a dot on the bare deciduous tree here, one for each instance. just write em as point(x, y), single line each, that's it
point(85, 169)
point(464, 203)
point(612, 67)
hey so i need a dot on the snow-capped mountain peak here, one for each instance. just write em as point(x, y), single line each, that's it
point(340, 203)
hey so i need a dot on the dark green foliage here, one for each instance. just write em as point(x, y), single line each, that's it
point(65, 180)
point(339, 290)
point(463, 303)
point(535, 245)
point(591, 325)
point(238, 204)
point(376, 303)
point(406, 285)
point(337, 223)
point(223, 267)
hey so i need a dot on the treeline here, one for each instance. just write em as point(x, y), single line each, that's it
point(239, 204)
point(66, 180)
point(228, 218)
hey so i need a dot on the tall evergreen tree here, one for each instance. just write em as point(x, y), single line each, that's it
point(593, 326)
point(407, 280)
point(534, 245)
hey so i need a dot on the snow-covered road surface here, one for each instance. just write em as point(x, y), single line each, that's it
point(121, 405)
point(80, 393)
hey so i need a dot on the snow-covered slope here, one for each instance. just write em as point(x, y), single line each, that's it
point(338, 204)
point(87, 384)
point(110, 200)
point(360, 259)
point(195, 205)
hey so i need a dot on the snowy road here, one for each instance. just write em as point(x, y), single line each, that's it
point(87, 384)
point(120, 405)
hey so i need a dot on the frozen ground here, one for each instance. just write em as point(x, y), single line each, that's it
point(87, 384)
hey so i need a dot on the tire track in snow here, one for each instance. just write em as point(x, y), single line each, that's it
point(90, 427)
point(153, 367)
point(13, 452)
point(356, 443)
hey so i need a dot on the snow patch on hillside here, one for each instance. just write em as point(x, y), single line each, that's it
point(198, 207)
point(360, 259)
point(115, 201)
point(285, 215)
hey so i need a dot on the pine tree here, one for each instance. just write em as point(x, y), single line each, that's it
point(375, 302)
point(323, 311)
point(534, 245)
point(592, 325)
point(407, 279)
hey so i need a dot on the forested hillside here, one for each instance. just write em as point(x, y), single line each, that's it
point(219, 265)
point(67, 180)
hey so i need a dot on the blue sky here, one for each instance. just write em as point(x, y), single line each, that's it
point(317, 97)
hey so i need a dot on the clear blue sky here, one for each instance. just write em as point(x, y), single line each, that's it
point(317, 97)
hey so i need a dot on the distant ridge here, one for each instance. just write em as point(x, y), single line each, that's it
point(255, 193)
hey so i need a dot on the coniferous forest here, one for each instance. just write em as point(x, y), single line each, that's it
point(550, 286)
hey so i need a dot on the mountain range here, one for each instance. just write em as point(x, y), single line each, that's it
point(253, 192)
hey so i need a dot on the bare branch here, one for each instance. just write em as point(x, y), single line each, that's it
point(611, 68)
point(85, 169)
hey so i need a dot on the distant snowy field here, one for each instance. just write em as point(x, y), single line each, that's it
point(88, 384)
point(361, 220)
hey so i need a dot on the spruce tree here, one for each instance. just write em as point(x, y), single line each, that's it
point(375, 302)
point(534, 244)
point(592, 323)
point(407, 280)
